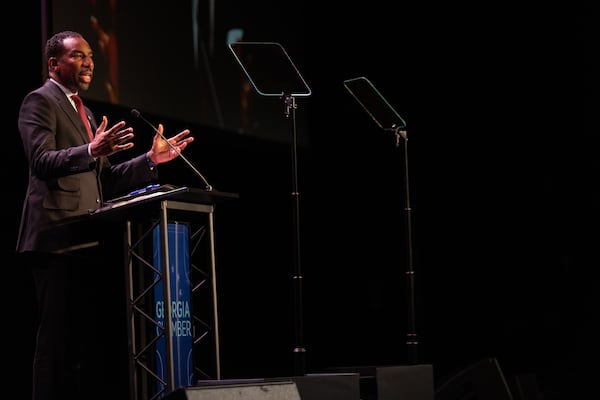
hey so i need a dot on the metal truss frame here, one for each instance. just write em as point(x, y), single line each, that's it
point(144, 331)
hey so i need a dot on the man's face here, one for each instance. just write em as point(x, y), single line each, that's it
point(75, 67)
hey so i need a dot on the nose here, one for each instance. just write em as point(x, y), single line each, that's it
point(88, 61)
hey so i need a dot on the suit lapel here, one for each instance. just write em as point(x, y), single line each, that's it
point(65, 104)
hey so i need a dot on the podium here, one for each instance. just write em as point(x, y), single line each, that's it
point(170, 274)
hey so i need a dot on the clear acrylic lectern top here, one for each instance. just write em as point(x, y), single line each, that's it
point(269, 69)
point(374, 104)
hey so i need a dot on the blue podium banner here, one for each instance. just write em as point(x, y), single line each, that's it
point(181, 313)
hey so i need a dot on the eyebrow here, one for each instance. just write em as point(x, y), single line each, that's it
point(79, 52)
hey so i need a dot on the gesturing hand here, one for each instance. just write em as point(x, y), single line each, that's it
point(110, 141)
point(162, 151)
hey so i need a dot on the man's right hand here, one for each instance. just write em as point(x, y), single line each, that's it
point(110, 141)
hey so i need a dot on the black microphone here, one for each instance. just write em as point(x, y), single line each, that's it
point(137, 114)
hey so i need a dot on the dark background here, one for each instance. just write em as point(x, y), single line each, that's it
point(503, 184)
point(171, 47)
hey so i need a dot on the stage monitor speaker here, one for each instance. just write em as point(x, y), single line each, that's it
point(405, 382)
point(396, 382)
point(261, 391)
point(310, 387)
point(482, 380)
point(328, 386)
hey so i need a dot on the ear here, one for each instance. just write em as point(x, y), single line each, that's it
point(52, 62)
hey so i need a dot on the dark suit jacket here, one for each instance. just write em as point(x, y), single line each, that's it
point(64, 181)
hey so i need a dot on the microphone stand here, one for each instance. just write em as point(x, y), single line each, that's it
point(412, 340)
point(299, 349)
point(208, 187)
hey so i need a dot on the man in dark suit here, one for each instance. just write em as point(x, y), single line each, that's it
point(71, 175)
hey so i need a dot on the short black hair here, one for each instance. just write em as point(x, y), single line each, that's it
point(54, 45)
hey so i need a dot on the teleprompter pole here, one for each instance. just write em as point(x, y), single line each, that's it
point(412, 339)
point(299, 352)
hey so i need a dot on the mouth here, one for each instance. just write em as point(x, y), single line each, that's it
point(85, 77)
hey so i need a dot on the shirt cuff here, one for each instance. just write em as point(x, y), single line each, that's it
point(90, 151)
point(151, 164)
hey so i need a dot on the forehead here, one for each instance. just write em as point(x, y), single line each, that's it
point(76, 44)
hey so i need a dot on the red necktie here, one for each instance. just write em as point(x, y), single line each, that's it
point(82, 114)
